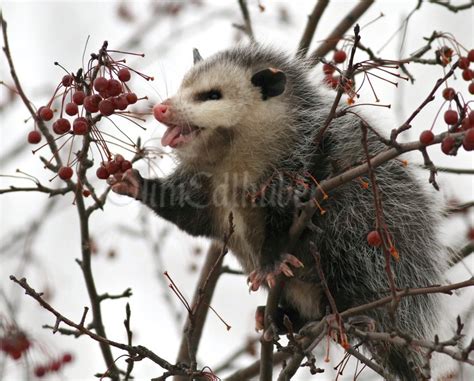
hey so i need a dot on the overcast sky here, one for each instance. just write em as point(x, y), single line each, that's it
point(43, 32)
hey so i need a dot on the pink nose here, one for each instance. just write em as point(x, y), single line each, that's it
point(161, 112)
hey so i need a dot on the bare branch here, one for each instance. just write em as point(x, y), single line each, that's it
point(311, 25)
point(203, 296)
point(38, 188)
point(456, 171)
point(246, 15)
point(44, 130)
point(132, 350)
point(346, 23)
point(126, 294)
point(453, 8)
point(253, 369)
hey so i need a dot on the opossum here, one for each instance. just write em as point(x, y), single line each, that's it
point(243, 126)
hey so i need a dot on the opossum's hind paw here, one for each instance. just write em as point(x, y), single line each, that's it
point(278, 319)
point(267, 275)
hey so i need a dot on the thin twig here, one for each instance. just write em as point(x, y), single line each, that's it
point(246, 15)
point(451, 7)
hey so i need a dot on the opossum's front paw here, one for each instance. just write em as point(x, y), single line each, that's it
point(268, 274)
point(127, 183)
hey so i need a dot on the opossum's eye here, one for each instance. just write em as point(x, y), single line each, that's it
point(211, 95)
point(271, 81)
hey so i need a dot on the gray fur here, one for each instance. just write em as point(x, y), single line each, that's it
point(354, 270)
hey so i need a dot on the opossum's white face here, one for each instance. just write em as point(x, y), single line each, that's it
point(215, 105)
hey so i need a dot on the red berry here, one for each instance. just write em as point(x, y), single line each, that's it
point(80, 126)
point(65, 173)
point(467, 74)
point(328, 69)
point(40, 371)
point(449, 93)
point(102, 173)
point(471, 88)
point(101, 84)
point(71, 109)
point(126, 165)
point(470, 234)
point(115, 88)
point(61, 126)
point(106, 107)
point(124, 74)
point(373, 238)
point(23, 343)
point(78, 97)
point(471, 118)
point(468, 141)
point(91, 103)
point(34, 137)
point(339, 56)
point(451, 117)
point(86, 193)
point(112, 167)
point(67, 357)
point(132, 98)
point(121, 102)
point(67, 80)
point(470, 55)
point(331, 81)
point(55, 366)
point(466, 124)
point(45, 113)
point(463, 62)
point(447, 144)
point(426, 137)
point(15, 353)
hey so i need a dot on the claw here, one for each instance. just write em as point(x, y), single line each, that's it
point(292, 260)
point(286, 270)
point(257, 277)
point(271, 280)
point(254, 281)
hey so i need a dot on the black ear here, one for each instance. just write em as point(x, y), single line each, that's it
point(196, 56)
point(271, 81)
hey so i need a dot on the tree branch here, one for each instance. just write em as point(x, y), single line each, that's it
point(246, 15)
point(140, 351)
point(453, 8)
point(202, 298)
point(310, 29)
point(346, 23)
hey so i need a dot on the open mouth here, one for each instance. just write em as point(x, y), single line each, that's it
point(177, 135)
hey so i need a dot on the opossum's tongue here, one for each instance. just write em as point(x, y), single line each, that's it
point(171, 136)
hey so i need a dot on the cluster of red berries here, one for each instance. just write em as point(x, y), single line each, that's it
point(112, 167)
point(445, 56)
point(329, 68)
point(111, 95)
point(14, 343)
point(100, 91)
point(449, 145)
point(451, 117)
point(53, 365)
